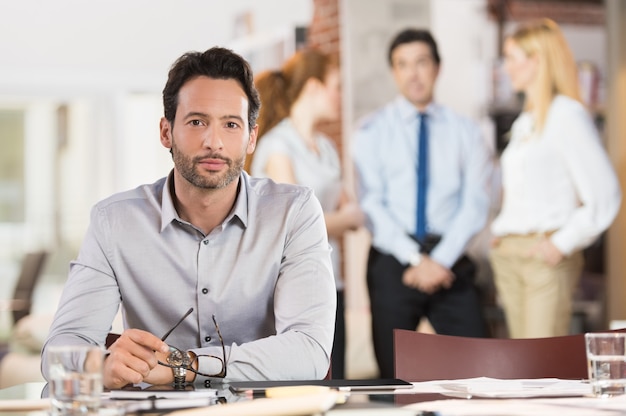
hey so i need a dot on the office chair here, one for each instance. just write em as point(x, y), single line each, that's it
point(21, 303)
point(423, 357)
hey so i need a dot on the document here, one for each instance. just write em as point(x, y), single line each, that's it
point(524, 397)
point(498, 388)
point(579, 406)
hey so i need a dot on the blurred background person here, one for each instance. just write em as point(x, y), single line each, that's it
point(423, 175)
point(290, 149)
point(560, 191)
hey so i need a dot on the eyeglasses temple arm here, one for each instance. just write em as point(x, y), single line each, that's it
point(167, 334)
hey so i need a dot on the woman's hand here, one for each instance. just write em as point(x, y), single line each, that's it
point(546, 250)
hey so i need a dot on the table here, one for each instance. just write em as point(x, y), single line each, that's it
point(425, 401)
point(32, 393)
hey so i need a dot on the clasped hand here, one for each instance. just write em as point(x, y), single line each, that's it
point(428, 277)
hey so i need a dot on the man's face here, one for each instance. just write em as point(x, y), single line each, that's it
point(210, 136)
point(415, 72)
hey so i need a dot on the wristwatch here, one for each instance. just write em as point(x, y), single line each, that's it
point(415, 259)
point(180, 361)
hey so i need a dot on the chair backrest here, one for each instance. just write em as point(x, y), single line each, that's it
point(32, 266)
point(423, 357)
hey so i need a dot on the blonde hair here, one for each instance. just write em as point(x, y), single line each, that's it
point(280, 89)
point(557, 73)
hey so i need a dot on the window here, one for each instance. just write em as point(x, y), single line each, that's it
point(12, 166)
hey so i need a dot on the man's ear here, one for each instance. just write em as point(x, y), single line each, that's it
point(165, 129)
point(254, 131)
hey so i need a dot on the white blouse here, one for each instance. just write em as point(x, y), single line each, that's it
point(320, 172)
point(559, 179)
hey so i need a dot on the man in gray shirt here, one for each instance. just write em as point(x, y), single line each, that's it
point(250, 256)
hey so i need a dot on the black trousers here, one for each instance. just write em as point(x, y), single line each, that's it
point(453, 311)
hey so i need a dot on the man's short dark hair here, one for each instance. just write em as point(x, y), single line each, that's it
point(216, 63)
point(415, 35)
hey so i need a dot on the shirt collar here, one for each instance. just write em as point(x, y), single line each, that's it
point(409, 112)
point(168, 211)
point(240, 210)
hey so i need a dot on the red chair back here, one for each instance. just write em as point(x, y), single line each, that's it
point(423, 357)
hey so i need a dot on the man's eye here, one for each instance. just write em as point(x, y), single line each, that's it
point(195, 122)
point(232, 125)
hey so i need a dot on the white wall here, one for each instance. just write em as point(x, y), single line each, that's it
point(467, 43)
point(68, 46)
point(107, 61)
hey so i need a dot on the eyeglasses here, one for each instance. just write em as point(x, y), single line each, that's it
point(179, 360)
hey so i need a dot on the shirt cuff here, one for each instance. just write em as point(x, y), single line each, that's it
point(208, 365)
point(561, 242)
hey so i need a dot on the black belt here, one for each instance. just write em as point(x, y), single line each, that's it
point(427, 243)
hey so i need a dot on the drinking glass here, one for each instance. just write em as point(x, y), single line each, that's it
point(75, 379)
point(606, 359)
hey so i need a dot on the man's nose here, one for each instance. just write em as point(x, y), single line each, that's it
point(212, 138)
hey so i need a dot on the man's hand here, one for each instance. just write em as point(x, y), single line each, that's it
point(133, 358)
point(546, 250)
point(428, 276)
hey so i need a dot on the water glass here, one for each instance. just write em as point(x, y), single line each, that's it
point(75, 379)
point(606, 360)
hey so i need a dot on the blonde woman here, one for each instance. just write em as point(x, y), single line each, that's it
point(560, 191)
point(290, 149)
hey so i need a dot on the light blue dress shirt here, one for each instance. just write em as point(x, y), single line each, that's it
point(265, 273)
point(460, 166)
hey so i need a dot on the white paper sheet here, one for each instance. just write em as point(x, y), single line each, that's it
point(498, 388)
point(579, 406)
point(548, 396)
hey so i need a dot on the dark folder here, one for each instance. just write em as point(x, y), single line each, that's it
point(366, 385)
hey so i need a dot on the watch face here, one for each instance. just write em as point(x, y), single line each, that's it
point(178, 358)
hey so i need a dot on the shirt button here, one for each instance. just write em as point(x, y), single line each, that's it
point(207, 339)
point(205, 290)
point(205, 242)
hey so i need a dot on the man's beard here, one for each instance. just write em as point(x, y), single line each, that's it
point(188, 169)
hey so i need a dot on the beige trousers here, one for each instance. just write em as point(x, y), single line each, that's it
point(536, 297)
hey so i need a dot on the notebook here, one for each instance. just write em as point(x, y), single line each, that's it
point(162, 392)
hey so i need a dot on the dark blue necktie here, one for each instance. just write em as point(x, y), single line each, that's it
point(422, 177)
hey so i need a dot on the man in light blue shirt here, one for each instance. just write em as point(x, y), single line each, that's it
point(412, 275)
point(250, 256)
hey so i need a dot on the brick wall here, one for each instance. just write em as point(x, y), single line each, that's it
point(585, 12)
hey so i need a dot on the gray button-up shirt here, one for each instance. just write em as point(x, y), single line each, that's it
point(265, 274)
